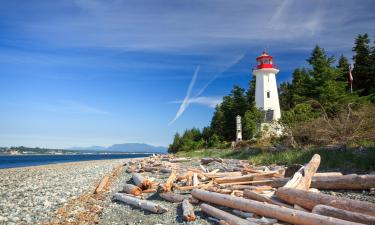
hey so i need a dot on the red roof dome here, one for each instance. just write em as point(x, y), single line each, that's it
point(264, 61)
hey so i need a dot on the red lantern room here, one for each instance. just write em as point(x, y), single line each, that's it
point(264, 61)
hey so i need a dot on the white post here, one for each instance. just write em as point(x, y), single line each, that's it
point(239, 129)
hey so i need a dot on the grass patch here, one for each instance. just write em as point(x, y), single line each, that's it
point(346, 161)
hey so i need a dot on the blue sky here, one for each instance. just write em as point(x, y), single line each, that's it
point(90, 72)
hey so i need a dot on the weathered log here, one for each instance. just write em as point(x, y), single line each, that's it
point(195, 180)
point(264, 209)
point(260, 198)
point(350, 182)
point(343, 214)
point(177, 160)
point(209, 160)
point(167, 186)
point(242, 213)
point(140, 181)
point(143, 204)
point(174, 197)
point(224, 174)
point(309, 200)
point(101, 187)
point(132, 189)
point(344, 182)
point(327, 174)
point(150, 190)
point(187, 211)
point(302, 178)
point(243, 178)
point(222, 215)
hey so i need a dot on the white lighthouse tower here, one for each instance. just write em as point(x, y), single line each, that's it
point(266, 95)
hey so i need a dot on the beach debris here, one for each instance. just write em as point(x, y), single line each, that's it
point(143, 204)
point(302, 178)
point(342, 182)
point(264, 209)
point(173, 197)
point(132, 189)
point(167, 186)
point(309, 200)
point(222, 215)
point(187, 211)
point(254, 194)
point(141, 182)
point(343, 214)
point(101, 187)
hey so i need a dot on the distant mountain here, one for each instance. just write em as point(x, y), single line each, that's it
point(127, 147)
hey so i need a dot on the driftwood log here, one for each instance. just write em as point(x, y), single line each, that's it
point(353, 181)
point(140, 181)
point(222, 215)
point(143, 204)
point(264, 209)
point(167, 186)
point(302, 178)
point(343, 214)
point(244, 178)
point(177, 198)
point(309, 200)
point(257, 197)
point(132, 189)
point(187, 211)
point(101, 187)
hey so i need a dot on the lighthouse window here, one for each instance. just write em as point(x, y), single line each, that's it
point(268, 94)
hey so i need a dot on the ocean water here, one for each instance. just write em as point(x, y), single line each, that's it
point(10, 161)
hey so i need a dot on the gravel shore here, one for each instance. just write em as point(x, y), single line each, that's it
point(44, 194)
point(31, 195)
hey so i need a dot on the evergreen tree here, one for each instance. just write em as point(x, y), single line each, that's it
point(286, 96)
point(217, 122)
point(250, 93)
point(363, 77)
point(174, 147)
point(343, 67)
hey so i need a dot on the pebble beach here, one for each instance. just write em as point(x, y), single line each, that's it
point(31, 195)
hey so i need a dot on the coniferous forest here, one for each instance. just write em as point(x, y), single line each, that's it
point(318, 107)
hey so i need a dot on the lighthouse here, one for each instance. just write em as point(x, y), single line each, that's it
point(266, 95)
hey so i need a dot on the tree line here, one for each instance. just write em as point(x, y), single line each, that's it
point(318, 94)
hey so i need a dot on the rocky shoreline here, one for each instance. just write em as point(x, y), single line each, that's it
point(32, 195)
point(64, 194)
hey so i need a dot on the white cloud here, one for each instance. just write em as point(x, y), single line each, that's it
point(203, 100)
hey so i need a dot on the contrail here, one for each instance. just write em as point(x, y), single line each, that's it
point(239, 58)
point(185, 103)
point(187, 100)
